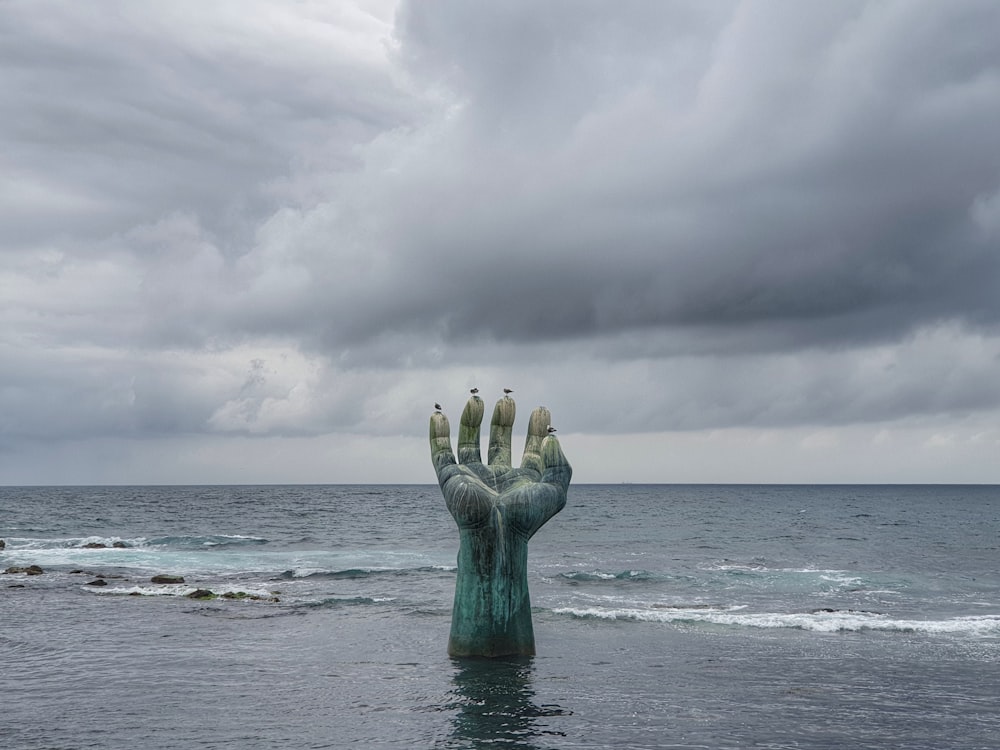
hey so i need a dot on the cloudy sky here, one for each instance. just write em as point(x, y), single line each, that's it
point(254, 241)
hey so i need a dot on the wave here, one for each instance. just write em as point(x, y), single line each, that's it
point(823, 621)
point(598, 575)
point(184, 591)
point(757, 574)
point(355, 573)
point(182, 555)
point(731, 569)
point(345, 601)
point(763, 568)
point(739, 576)
point(213, 555)
point(230, 593)
point(22, 544)
point(206, 542)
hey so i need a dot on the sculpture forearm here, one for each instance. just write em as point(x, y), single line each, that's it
point(491, 614)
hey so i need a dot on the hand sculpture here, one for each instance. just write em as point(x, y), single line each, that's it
point(497, 508)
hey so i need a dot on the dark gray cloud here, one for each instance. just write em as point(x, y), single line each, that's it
point(816, 181)
point(270, 219)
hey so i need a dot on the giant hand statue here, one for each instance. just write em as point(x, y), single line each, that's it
point(497, 508)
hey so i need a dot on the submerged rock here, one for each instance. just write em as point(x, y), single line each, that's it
point(2, 544)
point(119, 545)
point(31, 570)
point(93, 545)
point(231, 595)
point(167, 579)
point(239, 595)
point(96, 582)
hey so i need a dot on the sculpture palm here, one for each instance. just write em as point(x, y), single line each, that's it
point(497, 508)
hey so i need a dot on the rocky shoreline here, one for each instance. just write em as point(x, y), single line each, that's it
point(101, 579)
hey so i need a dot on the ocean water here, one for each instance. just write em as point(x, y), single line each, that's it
point(665, 616)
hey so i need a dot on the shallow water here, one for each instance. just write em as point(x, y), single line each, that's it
point(665, 616)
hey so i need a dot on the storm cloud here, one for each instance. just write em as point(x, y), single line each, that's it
point(283, 230)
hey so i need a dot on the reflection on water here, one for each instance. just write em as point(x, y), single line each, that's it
point(496, 705)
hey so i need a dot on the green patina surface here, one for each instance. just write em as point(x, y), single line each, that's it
point(497, 508)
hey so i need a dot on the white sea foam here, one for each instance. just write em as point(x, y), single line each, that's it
point(825, 622)
point(161, 590)
point(841, 578)
point(599, 574)
point(833, 574)
point(17, 544)
point(174, 589)
point(305, 572)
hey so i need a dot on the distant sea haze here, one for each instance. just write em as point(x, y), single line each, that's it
point(665, 616)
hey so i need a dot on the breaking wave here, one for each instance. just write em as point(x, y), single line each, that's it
point(598, 575)
point(823, 621)
point(208, 541)
point(356, 573)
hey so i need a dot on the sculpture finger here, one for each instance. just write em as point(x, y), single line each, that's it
point(538, 429)
point(468, 431)
point(557, 469)
point(441, 453)
point(500, 432)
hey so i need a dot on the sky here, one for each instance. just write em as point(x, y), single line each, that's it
point(255, 241)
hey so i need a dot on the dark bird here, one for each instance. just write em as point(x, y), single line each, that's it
point(474, 391)
point(508, 390)
point(551, 429)
point(437, 406)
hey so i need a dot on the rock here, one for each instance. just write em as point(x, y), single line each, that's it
point(31, 570)
point(93, 545)
point(119, 545)
point(2, 544)
point(201, 594)
point(241, 595)
point(16, 586)
point(75, 571)
point(97, 582)
point(167, 579)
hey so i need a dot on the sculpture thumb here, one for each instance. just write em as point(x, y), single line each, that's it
point(538, 424)
point(557, 469)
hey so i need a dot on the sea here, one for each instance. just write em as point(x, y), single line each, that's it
point(666, 616)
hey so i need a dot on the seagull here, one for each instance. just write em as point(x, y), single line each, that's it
point(474, 391)
point(508, 391)
point(437, 406)
point(551, 429)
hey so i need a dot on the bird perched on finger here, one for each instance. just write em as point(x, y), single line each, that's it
point(437, 407)
point(474, 391)
point(508, 391)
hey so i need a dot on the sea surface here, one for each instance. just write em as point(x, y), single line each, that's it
point(666, 616)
